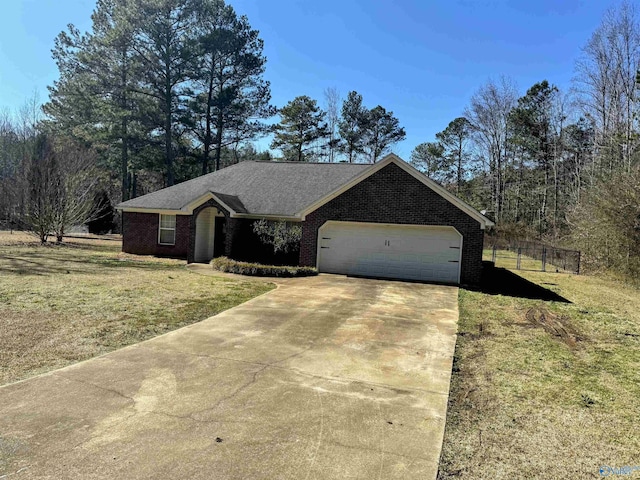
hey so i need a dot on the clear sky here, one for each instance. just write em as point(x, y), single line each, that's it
point(422, 59)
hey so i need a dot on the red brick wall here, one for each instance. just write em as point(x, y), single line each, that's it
point(140, 235)
point(391, 195)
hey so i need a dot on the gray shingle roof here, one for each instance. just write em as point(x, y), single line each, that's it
point(257, 188)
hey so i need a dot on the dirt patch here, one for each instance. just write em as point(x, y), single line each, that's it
point(557, 326)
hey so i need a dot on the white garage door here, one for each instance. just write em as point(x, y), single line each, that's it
point(412, 252)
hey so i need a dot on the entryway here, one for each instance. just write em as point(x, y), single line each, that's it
point(210, 234)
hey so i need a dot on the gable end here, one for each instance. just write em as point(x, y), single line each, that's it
point(422, 179)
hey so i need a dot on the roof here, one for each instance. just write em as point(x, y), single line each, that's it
point(256, 188)
point(285, 190)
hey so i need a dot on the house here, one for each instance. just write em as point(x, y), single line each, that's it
point(382, 220)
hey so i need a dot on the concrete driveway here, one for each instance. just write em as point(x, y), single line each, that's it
point(325, 377)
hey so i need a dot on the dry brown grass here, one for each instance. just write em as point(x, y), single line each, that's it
point(528, 401)
point(60, 304)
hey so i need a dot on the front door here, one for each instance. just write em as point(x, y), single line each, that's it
point(204, 235)
point(219, 236)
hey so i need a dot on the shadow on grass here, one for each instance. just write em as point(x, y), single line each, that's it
point(50, 262)
point(500, 281)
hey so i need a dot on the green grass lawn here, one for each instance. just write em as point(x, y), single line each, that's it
point(60, 304)
point(527, 402)
point(509, 259)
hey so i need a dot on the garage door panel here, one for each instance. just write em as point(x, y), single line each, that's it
point(429, 253)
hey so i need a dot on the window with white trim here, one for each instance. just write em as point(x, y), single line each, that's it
point(167, 233)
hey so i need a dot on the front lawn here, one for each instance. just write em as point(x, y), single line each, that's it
point(60, 304)
point(545, 389)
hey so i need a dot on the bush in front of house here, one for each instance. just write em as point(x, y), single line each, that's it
point(224, 264)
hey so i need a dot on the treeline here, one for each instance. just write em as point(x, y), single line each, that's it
point(552, 165)
point(161, 91)
point(350, 133)
point(167, 90)
point(160, 87)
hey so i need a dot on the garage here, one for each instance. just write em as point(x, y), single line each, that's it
point(409, 252)
point(381, 220)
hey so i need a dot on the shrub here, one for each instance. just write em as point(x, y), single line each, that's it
point(228, 265)
point(281, 236)
point(606, 224)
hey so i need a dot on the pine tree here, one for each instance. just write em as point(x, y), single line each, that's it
point(231, 97)
point(352, 126)
point(301, 124)
point(382, 131)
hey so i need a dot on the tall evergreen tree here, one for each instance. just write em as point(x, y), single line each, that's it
point(532, 126)
point(353, 125)
point(301, 124)
point(231, 97)
point(429, 158)
point(95, 98)
point(382, 131)
point(455, 141)
point(165, 45)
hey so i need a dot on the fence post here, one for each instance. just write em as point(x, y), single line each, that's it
point(493, 255)
point(519, 257)
point(544, 259)
point(579, 257)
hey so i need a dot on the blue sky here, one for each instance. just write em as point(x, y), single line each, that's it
point(422, 59)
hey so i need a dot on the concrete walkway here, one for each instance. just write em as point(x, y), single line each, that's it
point(324, 377)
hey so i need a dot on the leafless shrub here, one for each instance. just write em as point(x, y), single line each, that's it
point(62, 177)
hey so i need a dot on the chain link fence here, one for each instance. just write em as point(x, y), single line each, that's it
point(528, 255)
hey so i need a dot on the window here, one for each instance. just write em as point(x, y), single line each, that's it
point(167, 234)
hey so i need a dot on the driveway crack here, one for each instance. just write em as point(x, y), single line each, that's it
point(105, 389)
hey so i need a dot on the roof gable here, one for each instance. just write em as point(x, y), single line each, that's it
point(287, 190)
point(392, 158)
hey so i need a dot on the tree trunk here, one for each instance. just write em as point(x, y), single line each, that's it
point(168, 150)
point(124, 134)
point(219, 127)
point(168, 124)
point(207, 134)
point(459, 172)
point(124, 162)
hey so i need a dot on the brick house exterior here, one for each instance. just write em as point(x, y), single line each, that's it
point(391, 195)
point(140, 235)
point(390, 192)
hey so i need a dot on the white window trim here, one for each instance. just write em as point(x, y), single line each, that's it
point(160, 228)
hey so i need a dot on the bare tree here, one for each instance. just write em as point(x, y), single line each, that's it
point(43, 179)
point(62, 178)
point(488, 114)
point(8, 166)
point(17, 141)
point(606, 223)
point(73, 202)
point(605, 82)
point(332, 107)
